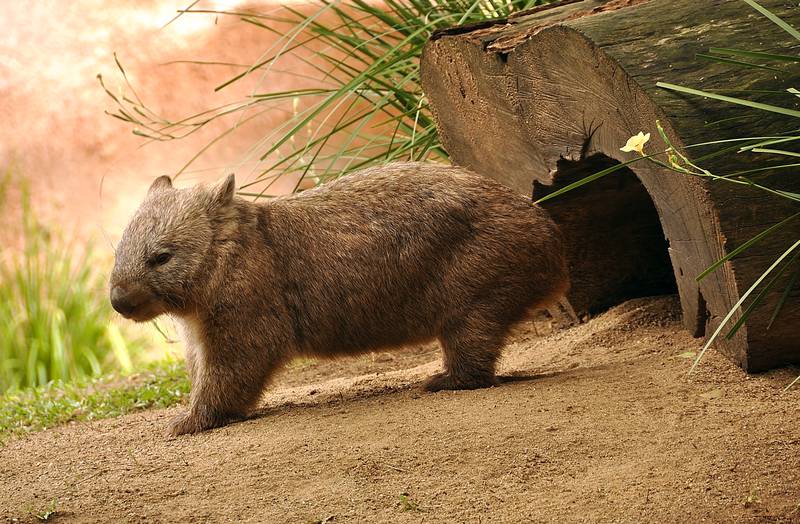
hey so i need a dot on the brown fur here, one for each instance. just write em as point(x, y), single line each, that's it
point(390, 256)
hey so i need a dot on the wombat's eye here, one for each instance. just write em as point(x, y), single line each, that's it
point(160, 259)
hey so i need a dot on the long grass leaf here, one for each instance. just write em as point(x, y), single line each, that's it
point(775, 19)
point(730, 99)
point(739, 302)
point(591, 178)
point(754, 54)
point(740, 63)
point(775, 151)
point(760, 296)
point(745, 246)
point(782, 300)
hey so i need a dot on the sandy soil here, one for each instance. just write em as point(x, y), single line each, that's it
point(597, 423)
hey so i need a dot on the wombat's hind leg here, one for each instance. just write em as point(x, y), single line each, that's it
point(470, 353)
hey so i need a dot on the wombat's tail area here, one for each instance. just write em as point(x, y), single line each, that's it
point(557, 303)
point(553, 297)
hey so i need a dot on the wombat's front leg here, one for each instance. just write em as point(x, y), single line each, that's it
point(224, 390)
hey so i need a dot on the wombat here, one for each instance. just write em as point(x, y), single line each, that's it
point(392, 255)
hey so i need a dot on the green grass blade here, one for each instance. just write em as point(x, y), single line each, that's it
point(119, 348)
point(769, 142)
point(792, 383)
point(740, 63)
point(760, 296)
point(754, 54)
point(747, 245)
point(788, 289)
point(761, 169)
point(775, 151)
point(733, 100)
point(739, 303)
point(592, 178)
point(775, 19)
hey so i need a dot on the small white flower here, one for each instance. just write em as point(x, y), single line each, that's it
point(636, 143)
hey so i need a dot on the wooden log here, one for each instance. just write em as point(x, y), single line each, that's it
point(541, 99)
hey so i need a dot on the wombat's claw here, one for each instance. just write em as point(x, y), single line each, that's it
point(445, 381)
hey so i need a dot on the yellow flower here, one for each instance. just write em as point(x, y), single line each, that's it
point(636, 143)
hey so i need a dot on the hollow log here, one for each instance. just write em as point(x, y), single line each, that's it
point(544, 98)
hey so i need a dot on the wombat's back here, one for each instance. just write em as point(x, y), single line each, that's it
point(406, 252)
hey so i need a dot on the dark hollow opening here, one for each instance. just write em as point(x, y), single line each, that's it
point(615, 244)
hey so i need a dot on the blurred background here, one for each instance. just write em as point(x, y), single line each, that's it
point(71, 175)
point(86, 170)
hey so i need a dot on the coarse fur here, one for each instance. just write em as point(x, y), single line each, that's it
point(392, 255)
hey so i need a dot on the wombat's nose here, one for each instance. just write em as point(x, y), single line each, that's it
point(120, 301)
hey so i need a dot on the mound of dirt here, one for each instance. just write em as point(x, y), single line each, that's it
point(597, 423)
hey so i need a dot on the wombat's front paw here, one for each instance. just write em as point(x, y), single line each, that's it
point(442, 381)
point(438, 382)
point(183, 424)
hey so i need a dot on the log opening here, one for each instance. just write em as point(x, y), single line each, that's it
point(615, 244)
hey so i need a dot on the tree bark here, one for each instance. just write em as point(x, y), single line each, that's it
point(546, 97)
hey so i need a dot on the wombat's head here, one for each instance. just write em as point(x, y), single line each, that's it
point(166, 248)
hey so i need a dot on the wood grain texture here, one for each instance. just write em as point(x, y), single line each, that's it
point(572, 82)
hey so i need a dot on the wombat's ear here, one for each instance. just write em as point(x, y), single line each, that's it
point(224, 192)
point(160, 183)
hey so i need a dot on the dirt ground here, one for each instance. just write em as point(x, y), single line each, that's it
point(596, 423)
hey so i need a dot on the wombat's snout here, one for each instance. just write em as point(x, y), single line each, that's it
point(125, 301)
